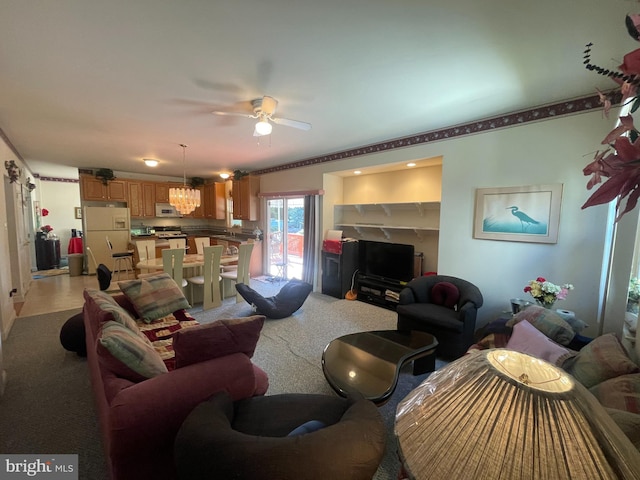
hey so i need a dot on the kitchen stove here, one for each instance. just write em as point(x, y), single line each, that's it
point(169, 232)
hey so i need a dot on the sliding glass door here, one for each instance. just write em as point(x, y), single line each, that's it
point(285, 236)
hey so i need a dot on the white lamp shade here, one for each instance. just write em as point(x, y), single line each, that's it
point(503, 414)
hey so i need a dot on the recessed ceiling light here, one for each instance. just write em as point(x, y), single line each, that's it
point(150, 162)
point(411, 164)
point(357, 172)
point(224, 176)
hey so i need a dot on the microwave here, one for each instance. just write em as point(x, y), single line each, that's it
point(166, 210)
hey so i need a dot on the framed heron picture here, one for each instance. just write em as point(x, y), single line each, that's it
point(518, 214)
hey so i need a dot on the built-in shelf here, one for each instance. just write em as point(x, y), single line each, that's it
point(419, 217)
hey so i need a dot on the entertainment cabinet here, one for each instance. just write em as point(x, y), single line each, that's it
point(378, 291)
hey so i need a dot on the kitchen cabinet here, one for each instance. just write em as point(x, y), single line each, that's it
point(215, 204)
point(162, 192)
point(142, 199)
point(93, 189)
point(245, 198)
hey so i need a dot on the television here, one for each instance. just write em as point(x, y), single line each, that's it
point(387, 261)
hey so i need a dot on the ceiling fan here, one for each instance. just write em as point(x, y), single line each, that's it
point(263, 109)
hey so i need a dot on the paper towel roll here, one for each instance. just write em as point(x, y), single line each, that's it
point(566, 314)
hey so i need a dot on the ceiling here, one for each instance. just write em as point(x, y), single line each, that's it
point(94, 83)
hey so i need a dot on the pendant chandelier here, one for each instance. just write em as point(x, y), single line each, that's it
point(184, 199)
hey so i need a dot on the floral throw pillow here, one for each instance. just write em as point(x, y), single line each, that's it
point(600, 360)
point(547, 321)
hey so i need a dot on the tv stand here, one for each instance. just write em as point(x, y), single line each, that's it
point(377, 291)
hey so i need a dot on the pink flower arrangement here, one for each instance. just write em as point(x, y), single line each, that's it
point(619, 163)
point(546, 293)
point(46, 228)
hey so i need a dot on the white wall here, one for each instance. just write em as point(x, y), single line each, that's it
point(552, 151)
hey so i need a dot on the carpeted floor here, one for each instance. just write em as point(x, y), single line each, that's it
point(48, 404)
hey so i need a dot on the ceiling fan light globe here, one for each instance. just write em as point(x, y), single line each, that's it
point(263, 127)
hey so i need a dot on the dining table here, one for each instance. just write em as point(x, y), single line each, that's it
point(192, 260)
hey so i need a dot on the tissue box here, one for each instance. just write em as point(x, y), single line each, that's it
point(332, 246)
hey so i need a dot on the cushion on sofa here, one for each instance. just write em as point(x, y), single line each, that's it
point(528, 339)
point(445, 294)
point(622, 393)
point(126, 354)
point(217, 339)
point(600, 360)
point(547, 321)
point(108, 304)
point(155, 296)
point(628, 422)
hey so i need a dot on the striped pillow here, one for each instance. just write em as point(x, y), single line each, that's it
point(155, 296)
point(127, 355)
point(107, 303)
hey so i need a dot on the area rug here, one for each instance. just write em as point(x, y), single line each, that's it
point(290, 351)
point(50, 273)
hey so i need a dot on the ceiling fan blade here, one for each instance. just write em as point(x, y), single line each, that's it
point(287, 122)
point(234, 114)
point(269, 105)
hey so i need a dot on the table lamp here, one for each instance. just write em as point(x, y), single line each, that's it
point(500, 414)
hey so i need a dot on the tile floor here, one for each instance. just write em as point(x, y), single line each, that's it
point(56, 293)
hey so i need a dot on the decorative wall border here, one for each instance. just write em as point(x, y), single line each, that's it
point(56, 179)
point(568, 107)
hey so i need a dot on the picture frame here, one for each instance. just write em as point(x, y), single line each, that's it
point(78, 212)
point(518, 214)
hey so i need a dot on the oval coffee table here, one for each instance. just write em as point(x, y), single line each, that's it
point(370, 362)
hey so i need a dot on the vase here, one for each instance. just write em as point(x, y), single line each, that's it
point(547, 305)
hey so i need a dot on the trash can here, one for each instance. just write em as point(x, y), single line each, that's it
point(76, 264)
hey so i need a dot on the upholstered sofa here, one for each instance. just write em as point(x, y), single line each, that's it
point(142, 399)
point(601, 364)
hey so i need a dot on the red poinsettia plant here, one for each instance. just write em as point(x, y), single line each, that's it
point(620, 161)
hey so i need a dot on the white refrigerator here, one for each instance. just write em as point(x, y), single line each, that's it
point(101, 223)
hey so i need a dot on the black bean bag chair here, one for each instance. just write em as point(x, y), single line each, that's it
point(72, 335)
point(289, 299)
point(258, 438)
point(104, 276)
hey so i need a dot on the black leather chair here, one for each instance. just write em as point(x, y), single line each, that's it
point(447, 312)
point(252, 439)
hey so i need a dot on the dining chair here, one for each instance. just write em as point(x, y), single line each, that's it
point(202, 242)
point(210, 280)
point(241, 274)
point(104, 275)
point(146, 249)
point(172, 261)
point(177, 243)
point(120, 258)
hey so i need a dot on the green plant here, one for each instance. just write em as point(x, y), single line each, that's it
point(105, 174)
point(238, 174)
point(196, 182)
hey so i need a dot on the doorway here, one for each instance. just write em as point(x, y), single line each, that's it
point(285, 235)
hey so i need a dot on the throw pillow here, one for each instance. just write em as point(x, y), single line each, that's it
point(527, 339)
point(127, 354)
point(445, 294)
point(107, 303)
point(307, 427)
point(629, 423)
point(155, 296)
point(547, 321)
point(622, 393)
point(217, 339)
point(600, 360)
